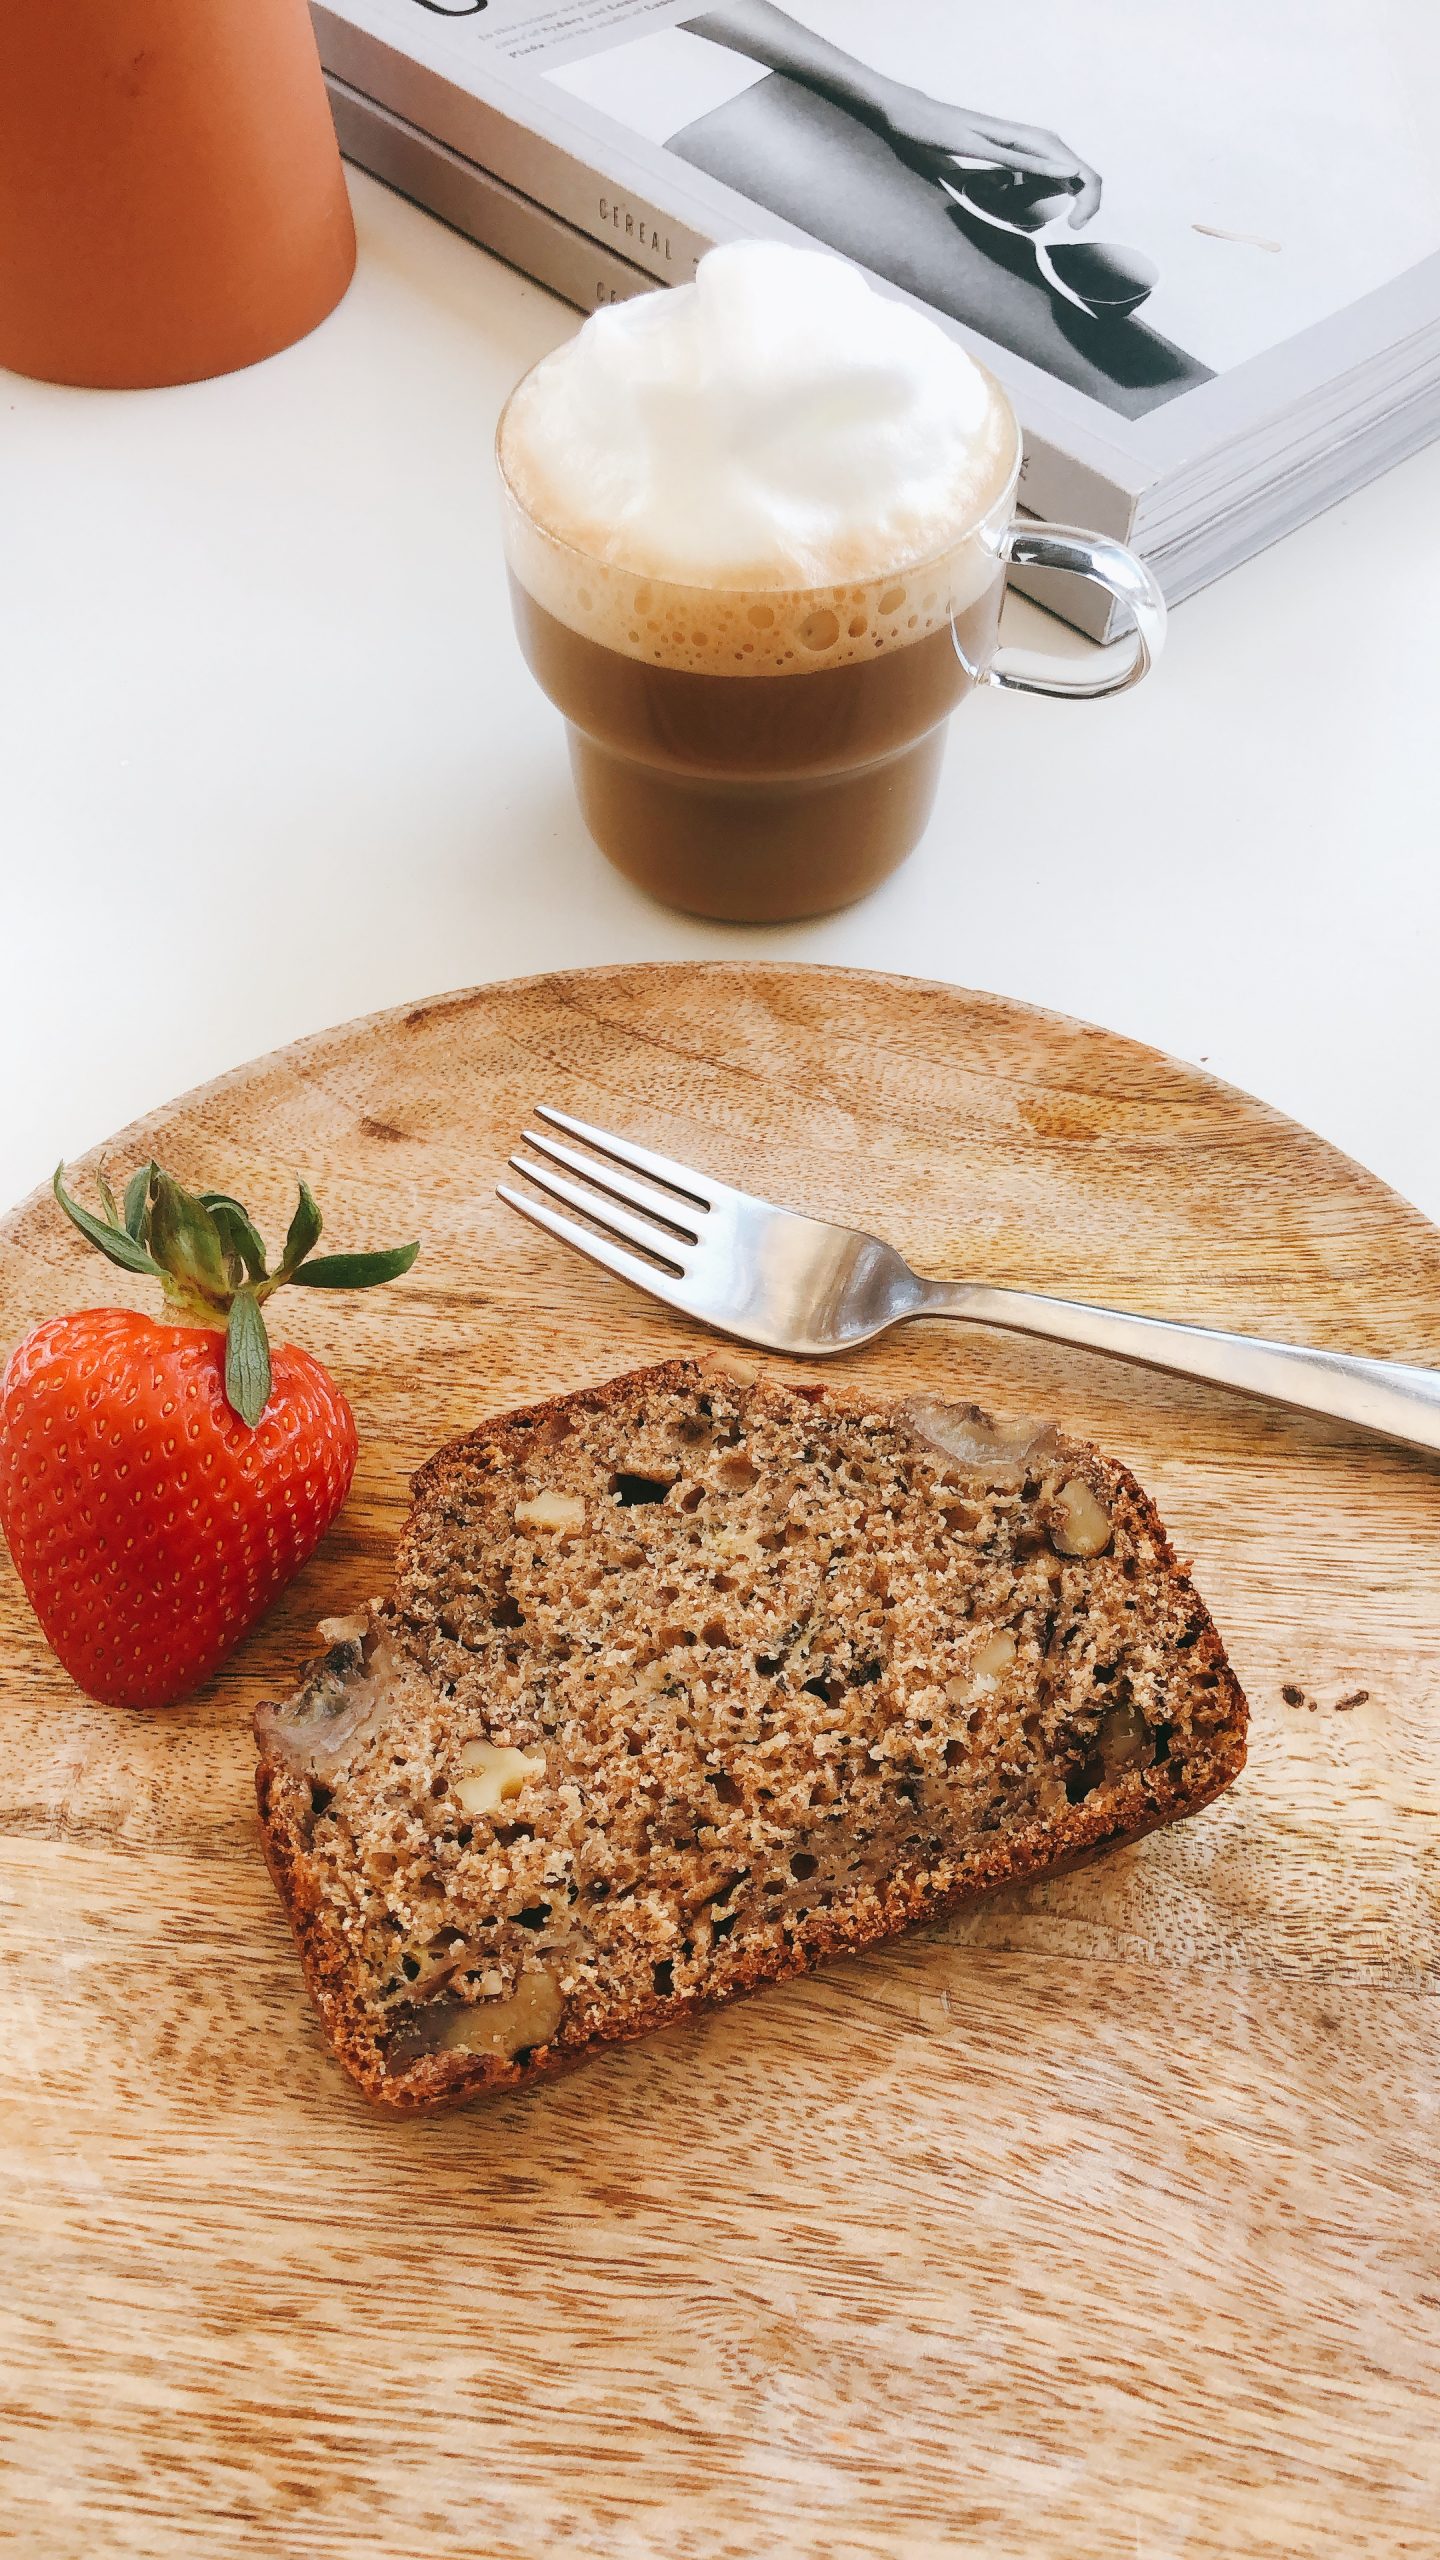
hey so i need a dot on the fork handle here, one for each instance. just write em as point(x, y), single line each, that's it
point(1380, 1395)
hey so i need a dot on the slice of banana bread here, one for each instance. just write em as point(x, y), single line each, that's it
point(688, 1680)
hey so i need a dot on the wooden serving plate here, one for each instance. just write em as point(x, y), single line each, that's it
point(1103, 2222)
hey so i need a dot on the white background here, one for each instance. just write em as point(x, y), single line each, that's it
point(1309, 125)
point(269, 758)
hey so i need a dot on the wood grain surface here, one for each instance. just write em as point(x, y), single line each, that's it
point(1101, 2224)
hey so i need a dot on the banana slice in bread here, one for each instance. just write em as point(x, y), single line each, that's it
point(689, 1681)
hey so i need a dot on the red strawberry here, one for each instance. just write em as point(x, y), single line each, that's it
point(160, 1483)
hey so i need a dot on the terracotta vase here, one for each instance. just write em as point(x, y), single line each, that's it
point(171, 198)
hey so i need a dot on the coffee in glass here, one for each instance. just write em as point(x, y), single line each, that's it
point(756, 532)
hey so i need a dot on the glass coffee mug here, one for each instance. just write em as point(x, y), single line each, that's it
point(757, 753)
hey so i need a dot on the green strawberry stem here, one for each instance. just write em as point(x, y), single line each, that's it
point(210, 1261)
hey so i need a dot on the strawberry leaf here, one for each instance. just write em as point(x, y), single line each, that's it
point(137, 1201)
point(303, 1236)
point(186, 1243)
point(209, 1256)
point(107, 1196)
point(113, 1242)
point(238, 1233)
point(247, 1359)
point(355, 1270)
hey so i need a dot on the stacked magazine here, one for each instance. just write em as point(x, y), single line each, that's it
point(1206, 265)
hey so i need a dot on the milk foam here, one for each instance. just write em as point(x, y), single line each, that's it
point(754, 470)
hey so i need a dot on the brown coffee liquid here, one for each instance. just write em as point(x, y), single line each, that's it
point(762, 797)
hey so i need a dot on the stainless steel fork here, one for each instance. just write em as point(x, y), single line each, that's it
point(774, 1277)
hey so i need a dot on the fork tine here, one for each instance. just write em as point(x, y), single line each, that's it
point(656, 1204)
point(681, 1177)
point(626, 1266)
point(606, 1213)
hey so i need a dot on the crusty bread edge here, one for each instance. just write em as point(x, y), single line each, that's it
point(1151, 1798)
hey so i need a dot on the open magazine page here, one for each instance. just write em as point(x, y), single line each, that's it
point(1191, 158)
point(1201, 249)
point(1177, 191)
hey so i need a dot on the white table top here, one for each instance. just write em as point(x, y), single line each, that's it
point(271, 758)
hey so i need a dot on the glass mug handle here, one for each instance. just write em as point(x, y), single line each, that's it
point(1102, 563)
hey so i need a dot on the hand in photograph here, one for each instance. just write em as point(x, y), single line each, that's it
point(932, 137)
point(923, 131)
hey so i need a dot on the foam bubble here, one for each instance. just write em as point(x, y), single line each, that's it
point(776, 438)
